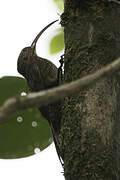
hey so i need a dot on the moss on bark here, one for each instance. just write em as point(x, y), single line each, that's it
point(90, 127)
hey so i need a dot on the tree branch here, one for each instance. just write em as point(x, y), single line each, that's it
point(41, 98)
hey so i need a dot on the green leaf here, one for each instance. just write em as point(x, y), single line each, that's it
point(57, 43)
point(27, 130)
point(59, 4)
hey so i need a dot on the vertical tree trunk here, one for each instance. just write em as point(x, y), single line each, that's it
point(90, 127)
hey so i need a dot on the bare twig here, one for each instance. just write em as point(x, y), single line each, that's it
point(54, 94)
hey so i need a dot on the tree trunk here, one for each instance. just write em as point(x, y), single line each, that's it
point(90, 126)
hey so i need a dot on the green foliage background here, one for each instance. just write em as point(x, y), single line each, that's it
point(57, 42)
point(26, 130)
point(59, 4)
point(20, 138)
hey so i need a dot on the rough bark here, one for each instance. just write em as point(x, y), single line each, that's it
point(90, 126)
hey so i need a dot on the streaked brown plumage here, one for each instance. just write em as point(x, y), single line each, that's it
point(41, 74)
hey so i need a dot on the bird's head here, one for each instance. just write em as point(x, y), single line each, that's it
point(28, 54)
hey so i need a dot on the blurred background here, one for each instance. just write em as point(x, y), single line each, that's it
point(20, 23)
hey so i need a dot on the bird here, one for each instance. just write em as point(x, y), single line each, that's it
point(42, 74)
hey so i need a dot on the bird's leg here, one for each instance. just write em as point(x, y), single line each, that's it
point(60, 70)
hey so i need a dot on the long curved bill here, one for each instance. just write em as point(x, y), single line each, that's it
point(33, 45)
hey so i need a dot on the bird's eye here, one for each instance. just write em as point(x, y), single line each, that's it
point(25, 49)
